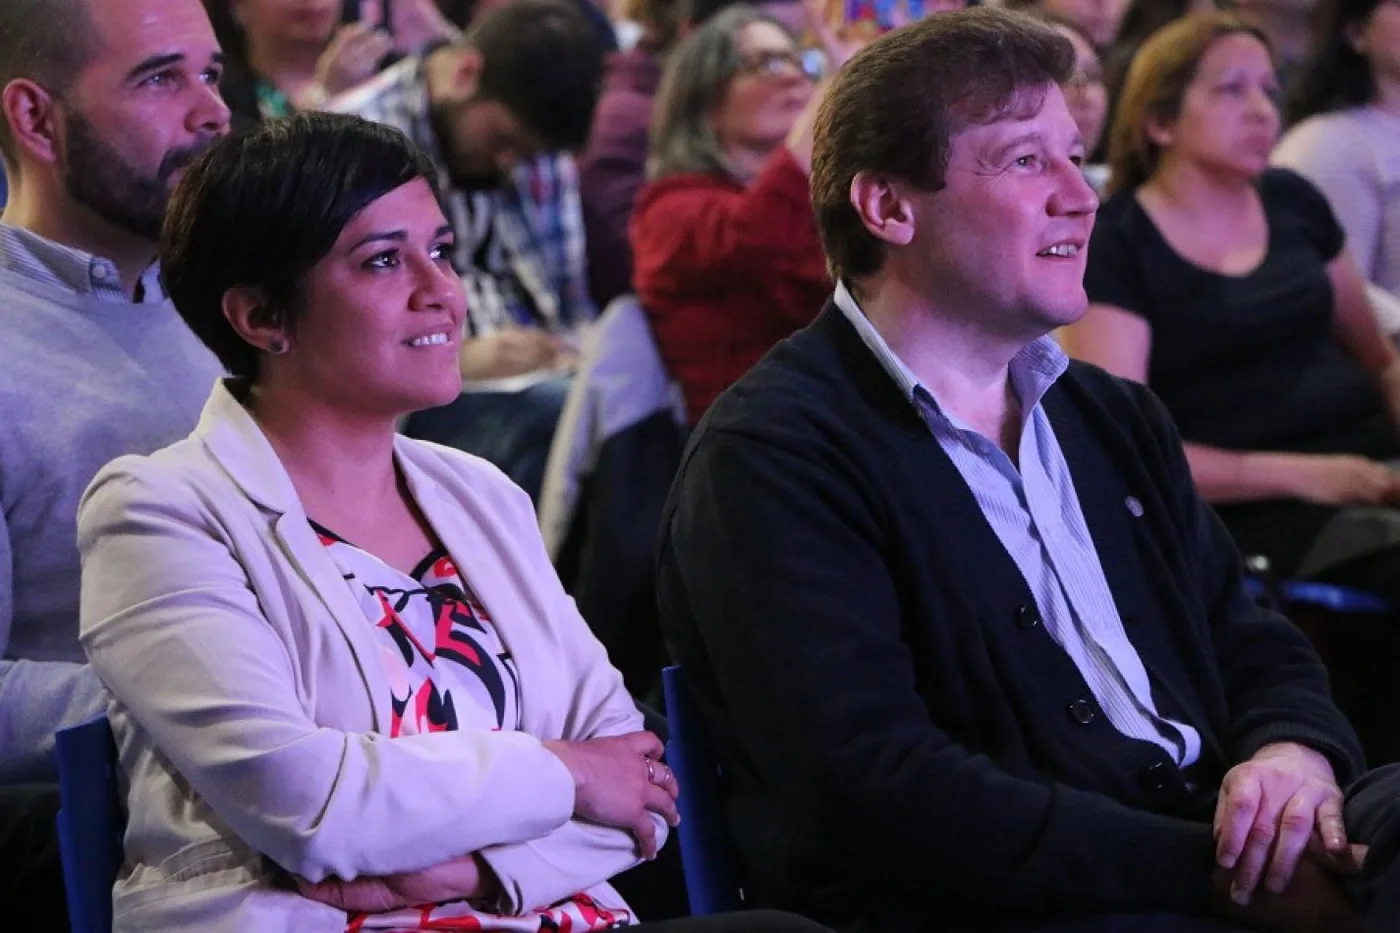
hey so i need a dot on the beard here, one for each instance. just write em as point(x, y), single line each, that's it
point(100, 178)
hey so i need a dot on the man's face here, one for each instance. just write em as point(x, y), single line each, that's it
point(483, 140)
point(1005, 239)
point(144, 106)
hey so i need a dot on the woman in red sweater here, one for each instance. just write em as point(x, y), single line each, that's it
point(727, 260)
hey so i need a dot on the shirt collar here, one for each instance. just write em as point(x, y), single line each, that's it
point(1033, 370)
point(34, 257)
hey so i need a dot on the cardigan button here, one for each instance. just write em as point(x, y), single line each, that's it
point(1027, 617)
point(1082, 712)
point(1154, 776)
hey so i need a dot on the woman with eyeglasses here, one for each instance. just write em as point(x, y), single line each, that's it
point(1226, 286)
point(726, 257)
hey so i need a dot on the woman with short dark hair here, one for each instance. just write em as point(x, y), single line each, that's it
point(347, 687)
point(1346, 107)
point(1225, 285)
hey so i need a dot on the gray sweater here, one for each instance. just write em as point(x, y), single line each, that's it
point(85, 376)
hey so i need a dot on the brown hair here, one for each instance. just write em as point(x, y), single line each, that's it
point(1155, 87)
point(895, 108)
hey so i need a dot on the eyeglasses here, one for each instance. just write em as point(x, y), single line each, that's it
point(772, 64)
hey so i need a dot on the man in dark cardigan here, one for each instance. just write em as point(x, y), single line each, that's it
point(973, 652)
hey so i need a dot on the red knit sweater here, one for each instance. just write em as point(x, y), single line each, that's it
point(725, 272)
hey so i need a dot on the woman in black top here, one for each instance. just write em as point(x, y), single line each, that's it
point(1226, 286)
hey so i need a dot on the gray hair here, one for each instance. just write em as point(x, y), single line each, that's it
point(683, 135)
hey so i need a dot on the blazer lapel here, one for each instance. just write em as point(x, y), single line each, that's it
point(234, 439)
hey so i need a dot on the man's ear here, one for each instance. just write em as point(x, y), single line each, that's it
point(466, 73)
point(453, 73)
point(31, 112)
point(247, 312)
point(884, 208)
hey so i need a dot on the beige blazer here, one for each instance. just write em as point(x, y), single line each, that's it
point(249, 696)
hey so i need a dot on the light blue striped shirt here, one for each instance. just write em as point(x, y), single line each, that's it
point(1036, 515)
point(42, 260)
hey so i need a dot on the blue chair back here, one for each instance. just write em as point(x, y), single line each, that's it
point(91, 821)
point(1289, 594)
point(707, 857)
point(1332, 597)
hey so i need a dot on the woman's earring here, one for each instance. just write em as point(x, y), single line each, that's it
point(277, 347)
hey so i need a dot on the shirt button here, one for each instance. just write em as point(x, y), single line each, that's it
point(1082, 712)
point(99, 273)
point(1027, 617)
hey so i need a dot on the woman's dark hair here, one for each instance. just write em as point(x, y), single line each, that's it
point(226, 29)
point(259, 210)
point(238, 86)
point(1144, 17)
point(1334, 75)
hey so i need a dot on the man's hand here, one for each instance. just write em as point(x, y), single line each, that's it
point(463, 879)
point(1269, 809)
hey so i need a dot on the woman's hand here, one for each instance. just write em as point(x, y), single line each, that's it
point(1344, 480)
point(620, 781)
point(463, 879)
point(352, 58)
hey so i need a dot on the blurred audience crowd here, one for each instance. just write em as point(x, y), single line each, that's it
point(209, 463)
